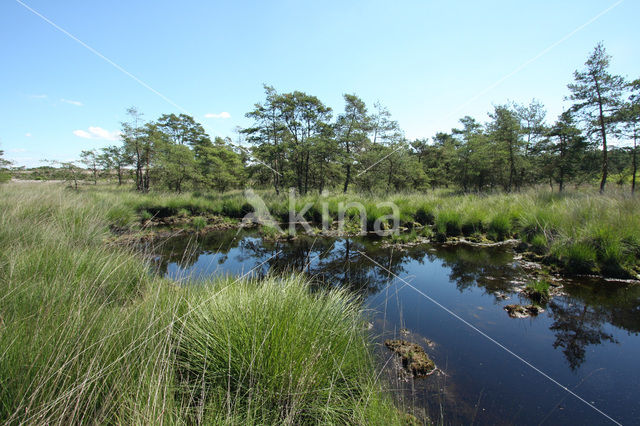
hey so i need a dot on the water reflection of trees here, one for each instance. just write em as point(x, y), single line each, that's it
point(339, 262)
point(577, 326)
point(578, 319)
point(185, 250)
point(487, 268)
point(333, 262)
point(619, 303)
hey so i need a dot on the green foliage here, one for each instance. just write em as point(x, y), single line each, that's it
point(90, 336)
point(550, 222)
point(296, 143)
point(5, 176)
point(425, 214)
point(405, 237)
point(597, 93)
point(219, 166)
point(473, 221)
point(269, 231)
point(146, 215)
point(539, 243)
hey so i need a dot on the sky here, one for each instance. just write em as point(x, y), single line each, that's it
point(70, 69)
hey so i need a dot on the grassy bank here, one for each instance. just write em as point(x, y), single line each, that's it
point(87, 335)
point(579, 232)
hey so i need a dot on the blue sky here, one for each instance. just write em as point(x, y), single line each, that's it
point(429, 62)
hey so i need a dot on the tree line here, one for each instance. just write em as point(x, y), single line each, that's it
point(295, 140)
point(172, 152)
point(295, 136)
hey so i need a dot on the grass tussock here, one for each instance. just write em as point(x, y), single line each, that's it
point(87, 335)
point(272, 352)
point(538, 291)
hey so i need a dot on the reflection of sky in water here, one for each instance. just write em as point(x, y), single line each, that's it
point(587, 340)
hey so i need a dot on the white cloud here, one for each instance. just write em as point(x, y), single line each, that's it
point(28, 135)
point(97, 133)
point(68, 101)
point(223, 114)
point(38, 96)
point(18, 150)
point(82, 134)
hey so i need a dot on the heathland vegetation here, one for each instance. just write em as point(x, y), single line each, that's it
point(89, 335)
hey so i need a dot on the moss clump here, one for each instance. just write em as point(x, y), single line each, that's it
point(523, 311)
point(414, 358)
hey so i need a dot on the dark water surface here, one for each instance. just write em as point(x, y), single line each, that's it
point(587, 340)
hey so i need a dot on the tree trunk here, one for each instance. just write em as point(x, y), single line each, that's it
point(605, 167)
point(512, 167)
point(276, 178)
point(348, 177)
point(634, 163)
point(562, 164)
point(306, 174)
point(346, 181)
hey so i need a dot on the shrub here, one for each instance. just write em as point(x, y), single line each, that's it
point(236, 208)
point(472, 222)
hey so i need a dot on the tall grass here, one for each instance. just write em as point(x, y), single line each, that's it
point(88, 335)
point(272, 353)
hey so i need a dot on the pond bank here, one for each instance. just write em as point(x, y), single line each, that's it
point(537, 259)
point(578, 232)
